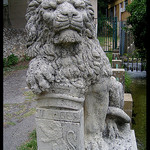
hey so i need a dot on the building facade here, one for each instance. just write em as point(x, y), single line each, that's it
point(117, 8)
point(14, 13)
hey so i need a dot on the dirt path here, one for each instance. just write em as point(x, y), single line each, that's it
point(19, 109)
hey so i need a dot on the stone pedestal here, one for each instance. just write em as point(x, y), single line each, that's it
point(116, 64)
point(128, 103)
point(119, 74)
point(59, 122)
point(128, 142)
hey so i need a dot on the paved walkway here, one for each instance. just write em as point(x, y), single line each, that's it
point(19, 110)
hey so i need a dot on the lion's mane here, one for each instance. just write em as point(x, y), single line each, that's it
point(87, 59)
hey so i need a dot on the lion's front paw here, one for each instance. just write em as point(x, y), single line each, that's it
point(92, 146)
point(112, 129)
point(39, 76)
point(95, 143)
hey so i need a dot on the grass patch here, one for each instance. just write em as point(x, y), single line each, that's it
point(20, 66)
point(102, 41)
point(13, 63)
point(18, 111)
point(29, 95)
point(10, 60)
point(27, 114)
point(9, 123)
point(8, 115)
point(105, 41)
point(128, 82)
point(31, 144)
point(109, 55)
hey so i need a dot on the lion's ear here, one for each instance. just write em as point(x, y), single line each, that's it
point(89, 9)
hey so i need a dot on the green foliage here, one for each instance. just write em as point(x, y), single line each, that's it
point(138, 21)
point(31, 144)
point(128, 82)
point(25, 58)
point(4, 62)
point(10, 60)
point(104, 27)
point(109, 55)
point(102, 5)
point(109, 29)
point(101, 40)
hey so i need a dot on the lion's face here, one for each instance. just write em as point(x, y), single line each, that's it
point(63, 14)
point(58, 22)
point(66, 18)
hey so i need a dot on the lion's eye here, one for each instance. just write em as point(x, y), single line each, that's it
point(80, 8)
point(49, 8)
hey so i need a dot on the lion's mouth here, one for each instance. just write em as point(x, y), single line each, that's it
point(67, 30)
point(67, 37)
point(63, 23)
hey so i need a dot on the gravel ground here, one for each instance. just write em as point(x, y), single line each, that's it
point(18, 110)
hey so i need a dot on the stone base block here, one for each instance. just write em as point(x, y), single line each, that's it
point(59, 122)
point(116, 64)
point(126, 142)
point(116, 56)
point(59, 129)
point(128, 104)
point(119, 74)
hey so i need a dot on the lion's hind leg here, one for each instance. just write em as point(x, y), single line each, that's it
point(115, 115)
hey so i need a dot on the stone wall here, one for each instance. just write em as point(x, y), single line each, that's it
point(14, 41)
point(14, 36)
point(17, 11)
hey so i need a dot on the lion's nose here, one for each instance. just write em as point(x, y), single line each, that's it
point(68, 10)
point(70, 13)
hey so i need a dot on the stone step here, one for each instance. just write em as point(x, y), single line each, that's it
point(119, 74)
point(128, 104)
point(116, 64)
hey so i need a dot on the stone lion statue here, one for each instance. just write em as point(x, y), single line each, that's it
point(62, 40)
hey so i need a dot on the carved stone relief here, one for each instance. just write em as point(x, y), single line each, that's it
point(79, 101)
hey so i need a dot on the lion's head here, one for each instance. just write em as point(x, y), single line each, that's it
point(63, 32)
point(58, 22)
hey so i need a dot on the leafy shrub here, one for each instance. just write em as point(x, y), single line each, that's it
point(4, 62)
point(10, 60)
point(138, 20)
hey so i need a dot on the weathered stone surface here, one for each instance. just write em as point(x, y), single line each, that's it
point(14, 42)
point(127, 142)
point(60, 123)
point(119, 74)
point(128, 104)
point(72, 76)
